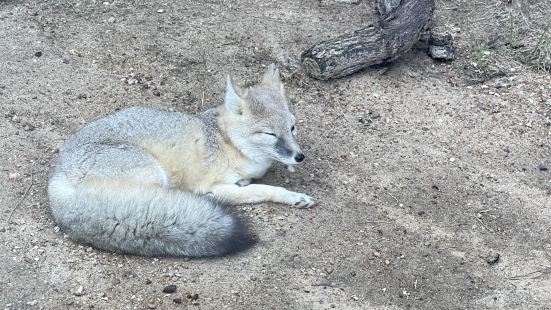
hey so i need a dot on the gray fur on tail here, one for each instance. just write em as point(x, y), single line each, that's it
point(142, 220)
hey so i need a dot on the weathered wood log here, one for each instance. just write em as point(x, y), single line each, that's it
point(387, 7)
point(440, 46)
point(398, 29)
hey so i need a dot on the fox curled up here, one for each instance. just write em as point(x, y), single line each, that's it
point(148, 182)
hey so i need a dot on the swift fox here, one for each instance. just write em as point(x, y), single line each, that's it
point(148, 182)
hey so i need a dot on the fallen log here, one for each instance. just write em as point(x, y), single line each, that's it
point(398, 29)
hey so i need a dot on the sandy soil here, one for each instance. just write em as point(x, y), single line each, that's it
point(420, 175)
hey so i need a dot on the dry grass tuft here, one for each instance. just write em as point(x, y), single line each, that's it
point(500, 35)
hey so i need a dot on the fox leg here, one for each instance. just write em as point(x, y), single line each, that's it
point(256, 193)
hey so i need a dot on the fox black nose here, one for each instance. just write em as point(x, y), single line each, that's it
point(299, 157)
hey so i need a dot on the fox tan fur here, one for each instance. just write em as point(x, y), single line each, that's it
point(148, 182)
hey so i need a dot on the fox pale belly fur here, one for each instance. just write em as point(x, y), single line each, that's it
point(148, 182)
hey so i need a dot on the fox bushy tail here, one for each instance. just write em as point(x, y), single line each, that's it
point(142, 220)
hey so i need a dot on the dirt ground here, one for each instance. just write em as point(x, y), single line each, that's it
point(421, 174)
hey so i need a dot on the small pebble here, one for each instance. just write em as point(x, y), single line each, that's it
point(38, 54)
point(492, 258)
point(79, 291)
point(442, 52)
point(169, 289)
point(323, 282)
point(177, 300)
point(374, 114)
point(28, 127)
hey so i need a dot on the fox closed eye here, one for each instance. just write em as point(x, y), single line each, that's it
point(268, 133)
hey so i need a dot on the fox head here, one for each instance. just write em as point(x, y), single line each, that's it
point(259, 123)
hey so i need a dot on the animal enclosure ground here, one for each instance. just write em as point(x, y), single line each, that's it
point(423, 174)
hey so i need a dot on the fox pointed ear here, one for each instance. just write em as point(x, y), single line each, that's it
point(233, 101)
point(271, 78)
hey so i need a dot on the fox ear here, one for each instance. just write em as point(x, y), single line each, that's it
point(271, 78)
point(233, 101)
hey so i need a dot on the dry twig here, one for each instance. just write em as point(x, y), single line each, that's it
point(22, 198)
point(482, 223)
point(377, 222)
point(532, 275)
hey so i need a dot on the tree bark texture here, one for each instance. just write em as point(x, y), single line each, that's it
point(398, 29)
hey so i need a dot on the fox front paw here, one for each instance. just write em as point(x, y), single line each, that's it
point(299, 200)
